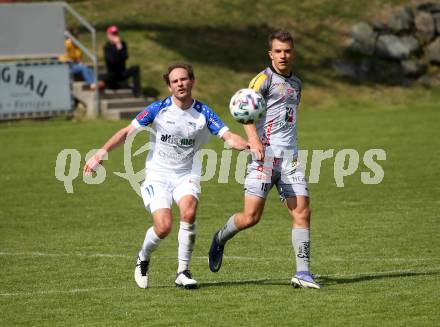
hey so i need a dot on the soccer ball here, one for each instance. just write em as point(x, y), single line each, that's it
point(247, 106)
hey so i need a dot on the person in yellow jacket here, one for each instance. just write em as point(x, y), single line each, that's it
point(73, 56)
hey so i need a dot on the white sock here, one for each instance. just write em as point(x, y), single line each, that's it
point(187, 238)
point(301, 246)
point(151, 242)
point(227, 231)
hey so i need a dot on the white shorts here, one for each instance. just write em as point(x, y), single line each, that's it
point(287, 176)
point(159, 190)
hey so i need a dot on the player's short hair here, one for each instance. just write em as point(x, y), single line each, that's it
point(175, 65)
point(280, 35)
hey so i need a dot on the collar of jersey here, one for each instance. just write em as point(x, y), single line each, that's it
point(176, 106)
point(285, 76)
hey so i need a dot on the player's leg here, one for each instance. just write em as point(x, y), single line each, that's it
point(250, 216)
point(257, 186)
point(158, 200)
point(293, 190)
point(186, 197)
point(162, 223)
point(299, 209)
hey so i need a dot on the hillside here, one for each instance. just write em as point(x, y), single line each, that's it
point(226, 43)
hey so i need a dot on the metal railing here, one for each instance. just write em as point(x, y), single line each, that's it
point(90, 54)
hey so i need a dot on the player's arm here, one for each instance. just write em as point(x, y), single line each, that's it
point(259, 84)
point(144, 118)
point(218, 128)
point(114, 141)
point(235, 141)
point(255, 144)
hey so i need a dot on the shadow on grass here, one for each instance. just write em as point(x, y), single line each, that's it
point(323, 280)
point(263, 281)
point(329, 280)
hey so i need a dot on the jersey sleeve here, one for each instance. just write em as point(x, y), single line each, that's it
point(213, 122)
point(146, 116)
point(260, 83)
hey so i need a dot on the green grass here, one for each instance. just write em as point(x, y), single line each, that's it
point(375, 247)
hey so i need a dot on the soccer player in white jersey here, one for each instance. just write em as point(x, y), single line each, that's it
point(273, 140)
point(180, 125)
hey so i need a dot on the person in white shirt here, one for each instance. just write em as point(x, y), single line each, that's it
point(180, 126)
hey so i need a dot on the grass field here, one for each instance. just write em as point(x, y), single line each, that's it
point(67, 259)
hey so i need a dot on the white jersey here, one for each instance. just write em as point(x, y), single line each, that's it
point(177, 135)
point(277, 128)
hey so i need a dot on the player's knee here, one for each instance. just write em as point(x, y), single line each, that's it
point(302, 215)
point(251, 219)
point(189, 215)
point(163, 229)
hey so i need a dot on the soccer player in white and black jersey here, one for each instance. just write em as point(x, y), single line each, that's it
point(274, 141)
point(180, 126)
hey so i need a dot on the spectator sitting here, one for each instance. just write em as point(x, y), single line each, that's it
point(116, 54)
point(73, 57)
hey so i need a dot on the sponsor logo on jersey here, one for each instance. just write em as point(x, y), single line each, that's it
point(286, 92)
point(213, 121)
point(193, 125)
point(142, 114)
point(186, 155)
point(171, 122)
point(176, 140)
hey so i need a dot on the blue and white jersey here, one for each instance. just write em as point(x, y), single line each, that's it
point(177, 135)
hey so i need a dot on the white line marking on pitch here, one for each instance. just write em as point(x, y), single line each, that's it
point(354, 275)
point(109, 255)
point(72, 291)
point(42, 254)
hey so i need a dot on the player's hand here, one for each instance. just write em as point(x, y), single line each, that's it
point(257, 149)
point(94, 162)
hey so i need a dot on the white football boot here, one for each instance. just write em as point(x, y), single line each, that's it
point(141, 273)
point(184, 279)
point(304, 279)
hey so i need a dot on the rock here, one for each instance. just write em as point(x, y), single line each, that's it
point(366, 68)
point(413, 68)
point(363, 39)
point(390, 46)
point(344, 68)
point(381, 71)
point(426, 80)
point(436, 18)
point(389, 71)
point(425, 26)
point(361, 31)
point(411, 43)
point(432, 51)
point(360, 48)
point(429, 7)
point(380, 27)
point(402, 20)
